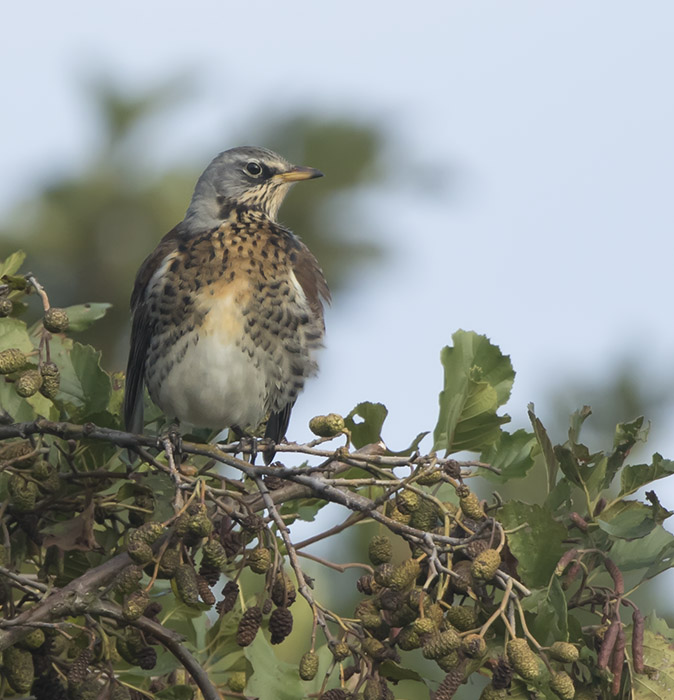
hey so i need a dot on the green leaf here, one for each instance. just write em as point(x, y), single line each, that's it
point(635, 476)
point(271, 672)
point(568, 464)
point(81, 316)
point(304, 509)
point(551, 463)
point(19, 409)
point(536, 562)
point(627, 520)
point(512, 454)
point(396, 672)
point(14, 334)
point(578, 418)
point(412, 447)
point(85, 386)
point(478, 379)
point(626, 436)
point(659, 654)
point(12, 263)
point(367, 429)
point(550, 621)
point(656, 548)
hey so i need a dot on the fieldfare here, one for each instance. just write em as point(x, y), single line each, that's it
point(227, 310)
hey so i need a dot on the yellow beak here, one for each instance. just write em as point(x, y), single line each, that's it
point(299, 172)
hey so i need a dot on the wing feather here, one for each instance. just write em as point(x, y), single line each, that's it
point(141, 331)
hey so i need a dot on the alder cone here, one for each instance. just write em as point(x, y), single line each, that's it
point(450, 684)
point(335, 694)
point(230, 593)
point(280, 624)
point(248, 626)
point(79, 667)
point(283, 591)
point(502, 675)
point(147, 658)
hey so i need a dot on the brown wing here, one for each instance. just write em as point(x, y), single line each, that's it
point(141, 332)
point(310, 276)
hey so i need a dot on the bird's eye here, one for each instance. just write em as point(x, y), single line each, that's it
point(253, 168)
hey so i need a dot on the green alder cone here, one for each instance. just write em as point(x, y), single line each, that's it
point(6, 308)
point(259, 560)
point(327, 426)
point(462, 617)
point(134, 605)
point(186, 585)
point(28, 383)
point(237, 681)
point(214, 554)
point(564, 652)
point(55, 320)
point(485, 565)
point(22, 493)
point(380, 550)
point(19, 670)
point(523, 660)
point(12, 360)
point(308, 666)
point(33, 640)
point(340, 651)
point(561, 685)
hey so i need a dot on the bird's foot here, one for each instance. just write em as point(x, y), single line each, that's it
point(247, 443)
point(176, 438)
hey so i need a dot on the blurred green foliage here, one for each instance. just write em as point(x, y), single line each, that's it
point(88, 232)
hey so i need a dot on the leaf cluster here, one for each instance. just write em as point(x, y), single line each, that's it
point(116, 560)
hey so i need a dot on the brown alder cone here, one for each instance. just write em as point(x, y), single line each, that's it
point(248, 626)
point(230, 593)
point(280, 624)
point(450, 684)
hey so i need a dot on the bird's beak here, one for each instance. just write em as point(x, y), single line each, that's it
point(297, 173)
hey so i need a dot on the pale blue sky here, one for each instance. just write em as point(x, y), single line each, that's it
point(558, 244)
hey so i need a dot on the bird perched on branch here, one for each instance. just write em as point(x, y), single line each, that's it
point(227, 310)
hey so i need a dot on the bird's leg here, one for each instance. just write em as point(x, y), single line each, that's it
point(176, 438)
point(248, 442)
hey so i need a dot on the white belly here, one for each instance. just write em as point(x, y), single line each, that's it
point(214, 385)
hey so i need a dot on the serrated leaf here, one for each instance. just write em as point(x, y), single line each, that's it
point(627, 520)
point(12, 263)
point(635, 476)
point(512, 454)
point(538, 545)
point(81, 316)
point(85, 386)
point(478, 379)
point(365, 423)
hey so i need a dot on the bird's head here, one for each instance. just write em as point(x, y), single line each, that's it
point(248, 177)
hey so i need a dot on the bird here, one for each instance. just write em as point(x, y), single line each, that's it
point(227, 311)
